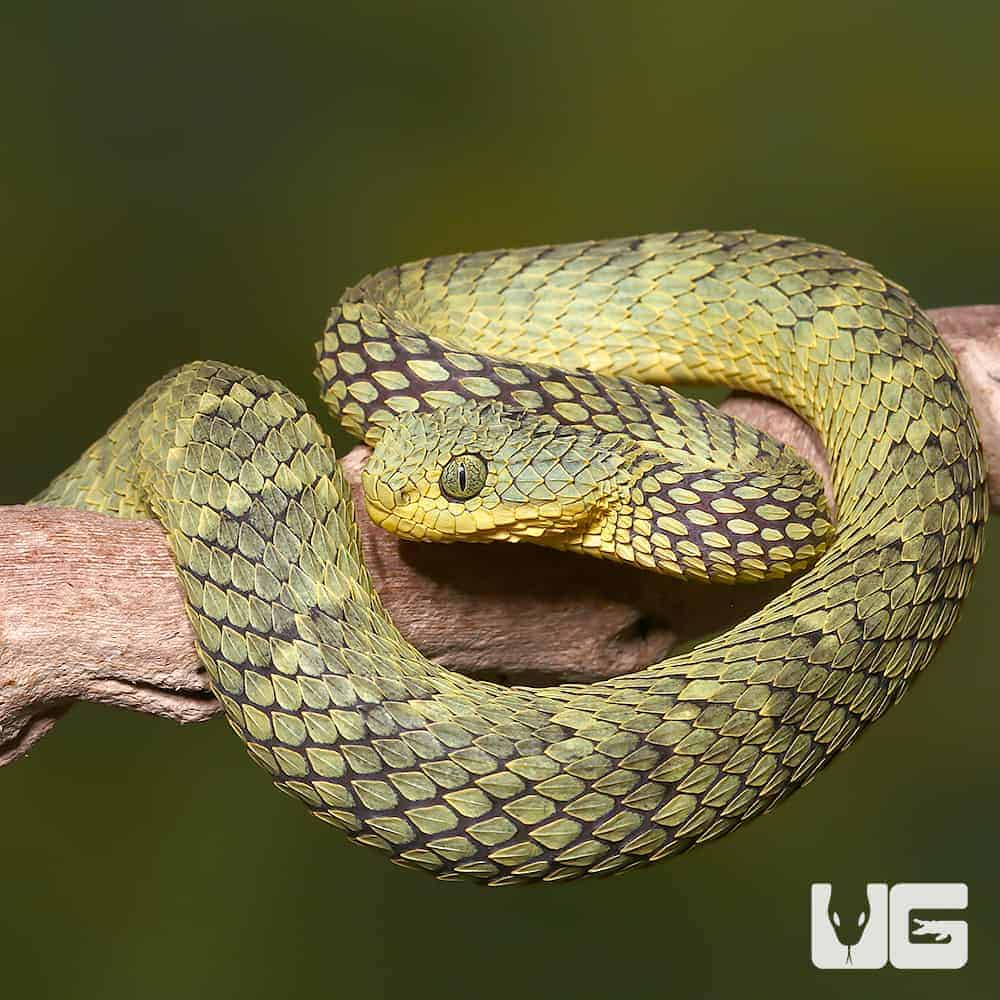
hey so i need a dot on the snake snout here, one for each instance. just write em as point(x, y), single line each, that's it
point(387, 492)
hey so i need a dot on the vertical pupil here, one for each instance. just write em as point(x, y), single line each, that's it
point(461, 476)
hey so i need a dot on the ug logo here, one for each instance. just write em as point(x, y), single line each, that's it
point(910, 925)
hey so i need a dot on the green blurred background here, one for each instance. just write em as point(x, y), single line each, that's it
point(201, 180)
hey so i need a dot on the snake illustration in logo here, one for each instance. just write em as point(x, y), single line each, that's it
point(849, 911)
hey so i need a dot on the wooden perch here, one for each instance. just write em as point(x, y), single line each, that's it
point(91, 607)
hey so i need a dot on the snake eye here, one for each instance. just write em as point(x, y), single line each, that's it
point(463, 477)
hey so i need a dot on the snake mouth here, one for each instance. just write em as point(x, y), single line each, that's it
point(395, 520)
point(380, 513)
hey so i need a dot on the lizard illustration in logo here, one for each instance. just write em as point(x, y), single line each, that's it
point(938, 929)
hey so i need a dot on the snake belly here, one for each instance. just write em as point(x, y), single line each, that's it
point(464, 778)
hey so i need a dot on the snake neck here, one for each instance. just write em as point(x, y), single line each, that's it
point(707, 524)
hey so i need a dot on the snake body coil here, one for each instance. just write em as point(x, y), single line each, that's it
point(475, 355)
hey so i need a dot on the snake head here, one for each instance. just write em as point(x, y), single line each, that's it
point(487, 472)
point(848, 910)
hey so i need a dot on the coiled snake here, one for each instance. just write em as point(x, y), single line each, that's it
point(500, 391)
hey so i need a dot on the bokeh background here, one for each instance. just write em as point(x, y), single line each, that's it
point(201, 180)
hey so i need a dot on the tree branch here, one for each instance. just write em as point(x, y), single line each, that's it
point(91, 607)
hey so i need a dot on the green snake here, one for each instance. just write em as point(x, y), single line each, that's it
point(518, 395)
